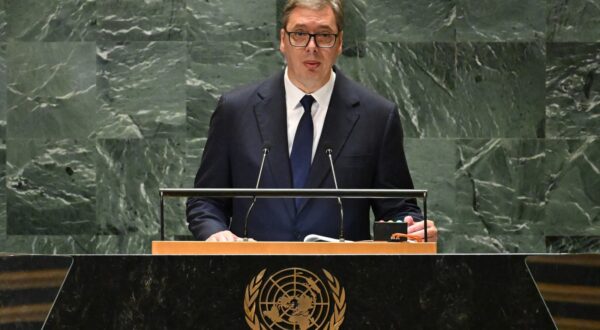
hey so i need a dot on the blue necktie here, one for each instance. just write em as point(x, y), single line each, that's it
point(301, 155)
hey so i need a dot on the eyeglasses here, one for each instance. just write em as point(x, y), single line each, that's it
point(302, 39)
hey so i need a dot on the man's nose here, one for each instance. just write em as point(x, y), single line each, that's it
point(312, 43)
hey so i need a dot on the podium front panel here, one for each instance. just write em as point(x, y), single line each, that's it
point(294, 292)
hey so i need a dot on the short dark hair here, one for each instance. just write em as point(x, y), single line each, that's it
point(336, 5)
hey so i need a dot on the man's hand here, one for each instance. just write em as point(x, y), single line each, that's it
point(223, 236)
point(416, 228)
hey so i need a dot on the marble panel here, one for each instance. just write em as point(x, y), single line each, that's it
point(350, 59)
point(528, 187)
point(221, 67)
point(432, 163)
point(572, 197)
point(231, 20)
point(3, 20)
point(51, 20)
point(135, 20)
point(355, 20)
point(417, 77)
point(141, 88)
point(76, 244)
point(500, 90)
point(2, 90)
point(2, 189)
point(573, 20)
point(458, 242)
point(573, 90)
point(573, 244)
point(458, 90)
point(50, 187)
point(500, 21)
point(501, 187)
point(130, 172)
point(411, 21)
point(51, 90)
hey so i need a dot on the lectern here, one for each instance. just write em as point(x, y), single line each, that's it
point(301, 285)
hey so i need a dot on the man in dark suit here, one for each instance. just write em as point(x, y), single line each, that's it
point(299, 113)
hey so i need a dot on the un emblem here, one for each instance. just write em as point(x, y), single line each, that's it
point(294, 298)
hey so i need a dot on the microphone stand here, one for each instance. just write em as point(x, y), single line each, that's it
point(262, 164)
point(328, 151)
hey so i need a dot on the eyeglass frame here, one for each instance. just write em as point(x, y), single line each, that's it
point(312, 36)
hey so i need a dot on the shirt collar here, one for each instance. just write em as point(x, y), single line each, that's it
point(294, 94)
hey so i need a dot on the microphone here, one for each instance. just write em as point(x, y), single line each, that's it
point(265, 151)
point(329, 151)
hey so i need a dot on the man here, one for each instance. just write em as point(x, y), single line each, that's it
point(299, 113)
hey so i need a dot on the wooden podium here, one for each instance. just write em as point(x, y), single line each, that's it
point(290, 248)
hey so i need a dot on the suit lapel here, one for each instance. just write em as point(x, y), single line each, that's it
point(270, 112)
point(342, 115)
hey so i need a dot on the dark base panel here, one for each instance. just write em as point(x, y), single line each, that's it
point(383, 292)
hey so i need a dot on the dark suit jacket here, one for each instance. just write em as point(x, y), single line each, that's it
point(362, 128)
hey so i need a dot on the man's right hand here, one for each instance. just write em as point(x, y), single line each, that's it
point(223, 236)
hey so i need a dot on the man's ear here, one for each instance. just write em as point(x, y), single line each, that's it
point(281, 40)
point(341, 45)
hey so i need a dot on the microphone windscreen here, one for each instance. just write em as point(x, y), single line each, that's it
point(266, 146)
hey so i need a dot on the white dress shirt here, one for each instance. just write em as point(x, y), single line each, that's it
point(294, 109)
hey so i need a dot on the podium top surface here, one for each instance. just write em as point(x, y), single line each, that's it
point(290, 248)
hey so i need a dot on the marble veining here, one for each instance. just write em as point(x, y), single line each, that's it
point(230, 20)
point(50, 187)
point(411, 21)
point(51, 90)
point(52, 20)
point(500, 21)
point(573, 90)
point(573, 20)
point(141, 20)
point(458, 90)
point(141, 87)
point(2, 20)
point(2, 90)
point(129, 176)
point(219, 68)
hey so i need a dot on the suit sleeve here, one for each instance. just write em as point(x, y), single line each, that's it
point(206, 216)
point(392, 173)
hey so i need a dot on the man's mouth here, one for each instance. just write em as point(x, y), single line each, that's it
point(312, 65)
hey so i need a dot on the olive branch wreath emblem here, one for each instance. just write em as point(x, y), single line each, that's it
point(253, 288)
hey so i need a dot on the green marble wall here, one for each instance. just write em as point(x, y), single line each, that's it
point(102, 102)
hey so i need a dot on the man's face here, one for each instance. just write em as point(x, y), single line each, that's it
point(309, 68)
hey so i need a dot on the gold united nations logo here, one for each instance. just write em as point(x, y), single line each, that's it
point(294, 298)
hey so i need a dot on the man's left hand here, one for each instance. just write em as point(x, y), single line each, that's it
point(416, 228)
